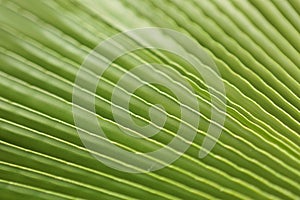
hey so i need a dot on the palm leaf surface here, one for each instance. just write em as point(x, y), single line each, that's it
point(255, 45)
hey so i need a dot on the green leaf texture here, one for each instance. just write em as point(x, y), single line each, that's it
point(256, 47)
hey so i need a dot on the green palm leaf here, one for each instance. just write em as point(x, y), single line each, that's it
point(256, 47)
